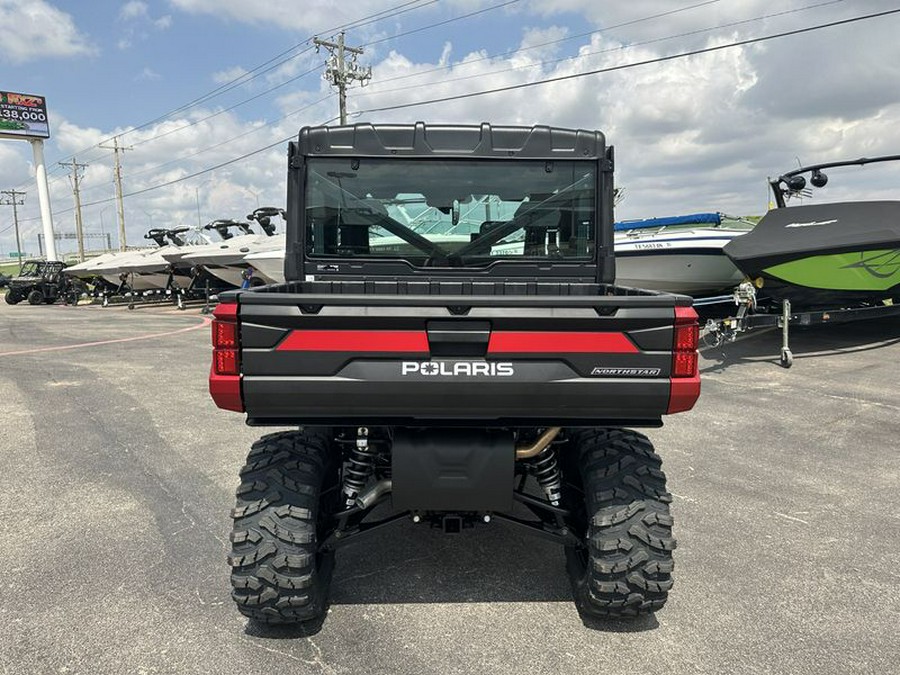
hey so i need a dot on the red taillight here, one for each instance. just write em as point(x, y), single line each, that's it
point(226, 365)
point(684, 364)
point(225, 362)
point(685, 343)
point(685, 382)
point(687, 338)
point(224, 335)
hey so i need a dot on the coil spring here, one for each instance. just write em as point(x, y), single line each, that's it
point(360, 465)
point(545, 469)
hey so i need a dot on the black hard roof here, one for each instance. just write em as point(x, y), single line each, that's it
point(449, 140)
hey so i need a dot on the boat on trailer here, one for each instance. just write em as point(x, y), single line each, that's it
point(225, 259)
point(814, 264)
point(678, 254)
point(823, 254)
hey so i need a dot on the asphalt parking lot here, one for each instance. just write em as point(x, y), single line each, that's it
point(119, 474)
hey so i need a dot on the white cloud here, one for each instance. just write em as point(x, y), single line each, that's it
point(134, 10)
point(229, 74)
point(36, 30)
point(136, 20)
point(313, 15)
point(148, 74)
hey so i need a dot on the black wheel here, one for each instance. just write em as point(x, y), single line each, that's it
point(787, 358)
point(12, 298)
point(35, 297)
point(625, 567)
point(287, 494)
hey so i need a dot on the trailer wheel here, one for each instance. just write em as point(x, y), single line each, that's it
point(287, 494)
point(787, 358)
point(12, 298)
point(35, 297)
point(624, 569)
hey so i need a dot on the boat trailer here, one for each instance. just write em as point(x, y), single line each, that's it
point(198, 290)
point(752, 314)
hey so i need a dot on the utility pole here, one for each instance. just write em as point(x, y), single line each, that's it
point(77, 170)
point(117, 149)
point(341, 71)
point(12, 198)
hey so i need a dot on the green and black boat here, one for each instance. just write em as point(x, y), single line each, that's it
point(823, 255)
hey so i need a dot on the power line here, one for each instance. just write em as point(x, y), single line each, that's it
point(373, 18)
point(377, 16)
point(568, 38)
point(308, 72)
point(225, 110)
point(232, 139)
point(333, 71)
point(442, 23)
point(672, 57)
point(636, 64)
point(581, 55)
point(279, 59)
point(261, 69)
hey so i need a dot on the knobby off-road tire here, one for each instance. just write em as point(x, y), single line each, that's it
point(12, 298)
point(626, 568)
point(278, 577)
point(35, 297)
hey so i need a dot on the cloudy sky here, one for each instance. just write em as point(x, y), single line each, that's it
point(192, 84)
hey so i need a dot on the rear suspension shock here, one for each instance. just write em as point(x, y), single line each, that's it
point(545, 468)
point(359, 468)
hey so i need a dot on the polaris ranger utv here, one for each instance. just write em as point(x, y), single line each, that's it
point(43, 282)
point(454, 351)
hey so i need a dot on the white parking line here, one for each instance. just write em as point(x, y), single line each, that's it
point(204, 321)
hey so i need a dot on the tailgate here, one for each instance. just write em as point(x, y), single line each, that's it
point(527, 361)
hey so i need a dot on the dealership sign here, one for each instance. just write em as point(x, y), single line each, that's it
point(23, 115)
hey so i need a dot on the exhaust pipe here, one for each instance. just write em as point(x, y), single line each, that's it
point(374, 493)
point(533, 450)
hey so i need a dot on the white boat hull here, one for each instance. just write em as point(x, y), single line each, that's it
point(690, 274)
point(268, 265)
point(225, 260)
point(677, 261)
point(230, 275)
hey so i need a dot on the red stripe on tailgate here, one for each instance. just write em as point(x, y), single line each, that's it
point(530, 342)
point(369, 341)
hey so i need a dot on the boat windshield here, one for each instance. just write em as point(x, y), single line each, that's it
point(450, 212)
